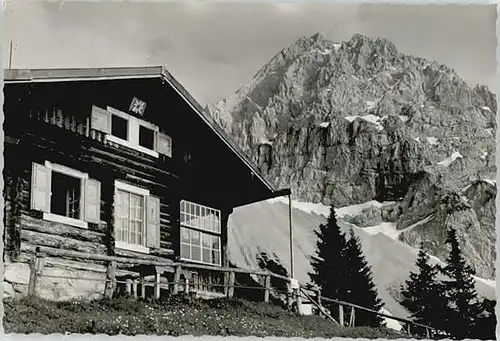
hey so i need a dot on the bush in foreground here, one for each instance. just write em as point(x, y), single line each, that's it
point(174, 316)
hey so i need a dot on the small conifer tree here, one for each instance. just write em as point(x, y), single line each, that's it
point(423, 295)
point(463, 308)
point(360, 287)
point(329, 267)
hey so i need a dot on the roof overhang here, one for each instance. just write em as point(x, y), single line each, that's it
point(117, 73)
point(65, 75)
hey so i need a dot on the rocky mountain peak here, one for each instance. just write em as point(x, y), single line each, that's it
point(346, 123)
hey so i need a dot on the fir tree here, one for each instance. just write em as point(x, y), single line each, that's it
point(423, 295)
point(361, 289)
point(486, 324)
point(329, 270)
point(464, 308)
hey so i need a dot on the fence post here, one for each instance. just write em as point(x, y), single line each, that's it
point(352, 318)
point(318, 296)
point(109, 287)
point(226, 283)
point(143, 288)
point(267, 287)
point(186, 286)
point(289, 295)
point(157, 286)
point(341, 315)
point(177, 279)
point(134, 288)
point(128, 286)
point(230, 291)
point(292, 291)
point(298, 300)
point(36, 267)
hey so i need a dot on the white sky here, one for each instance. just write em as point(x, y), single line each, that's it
point(214, 48)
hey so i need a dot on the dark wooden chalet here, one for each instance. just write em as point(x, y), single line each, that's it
point(120, 162)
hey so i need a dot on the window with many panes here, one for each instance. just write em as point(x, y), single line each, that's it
point(200, 233)
point(137, 218)
point(130, 218)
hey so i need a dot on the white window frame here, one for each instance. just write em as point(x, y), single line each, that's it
point(75, 174)
point(133, 132)
point(202, 231)
point(119, 185)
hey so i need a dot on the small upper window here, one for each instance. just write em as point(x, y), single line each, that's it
point(146, 137)
point(119, 127)
point(132, 132)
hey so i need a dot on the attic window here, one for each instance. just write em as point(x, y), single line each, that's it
point(131, 132)
point(119, 127)
point(146, 137)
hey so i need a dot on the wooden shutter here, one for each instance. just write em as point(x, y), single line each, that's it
point(92, 201)
point(153, 222)
point(41, 179)
point(100, 120)
point(163, 144)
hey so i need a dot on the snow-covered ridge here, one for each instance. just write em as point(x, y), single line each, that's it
point(324, 210)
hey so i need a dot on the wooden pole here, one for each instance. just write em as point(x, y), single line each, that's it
point(230, 291)
point(298, 300)
point(143, 289)
point(10, 54)
point(36, 268)
point(352, 318)
point(109, 288)
point(128, 287)
point(32, 280)
point(291, 234)
point(267, 286)
point(157, 286)
point(134, 288)
point(186, 286)
point(318, 293)
point(341, 315)
point(177, 279)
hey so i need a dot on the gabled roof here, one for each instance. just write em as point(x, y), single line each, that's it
point(95, 74)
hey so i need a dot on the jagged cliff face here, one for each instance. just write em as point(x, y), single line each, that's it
point(349, 122)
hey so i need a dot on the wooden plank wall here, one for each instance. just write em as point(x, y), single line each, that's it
point(42, 140)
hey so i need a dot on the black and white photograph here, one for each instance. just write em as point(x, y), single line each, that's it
point(263, 169)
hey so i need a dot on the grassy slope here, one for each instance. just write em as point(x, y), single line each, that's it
point(180, 316)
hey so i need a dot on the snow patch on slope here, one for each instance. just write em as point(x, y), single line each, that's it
point(449, 160)
point(389, 229)
point(368, 118)
point(390, 323)
point(432, 140)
